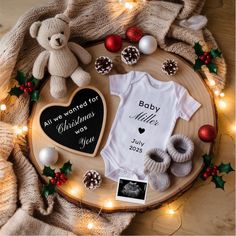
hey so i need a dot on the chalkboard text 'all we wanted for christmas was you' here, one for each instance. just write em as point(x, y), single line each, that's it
point(70, 120)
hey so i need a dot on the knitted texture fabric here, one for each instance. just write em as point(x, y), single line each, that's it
point(157, 161)
point(180, 148)
point(156, 164)
point(159, 181)
point(181, 169)
point(90, 20)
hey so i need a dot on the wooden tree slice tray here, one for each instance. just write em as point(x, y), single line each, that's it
point(74, 190)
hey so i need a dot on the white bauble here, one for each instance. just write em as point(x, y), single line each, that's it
point(147, 44)
point(48, 156)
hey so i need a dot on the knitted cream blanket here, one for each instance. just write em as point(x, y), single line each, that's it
point(22, 208)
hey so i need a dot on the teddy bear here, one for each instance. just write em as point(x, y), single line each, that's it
point(59, 56)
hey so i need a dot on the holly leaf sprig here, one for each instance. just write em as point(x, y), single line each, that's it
point(206, 58)
point(55, 178)
point(214, 171)
point(25, 86)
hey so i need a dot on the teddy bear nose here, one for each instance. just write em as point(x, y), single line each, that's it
point(58, 40)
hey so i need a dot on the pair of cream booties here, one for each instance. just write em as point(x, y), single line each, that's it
point(178, 157)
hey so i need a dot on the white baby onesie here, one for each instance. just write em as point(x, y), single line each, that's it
point(145, 119)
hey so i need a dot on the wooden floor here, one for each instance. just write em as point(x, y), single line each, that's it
point(203, 210)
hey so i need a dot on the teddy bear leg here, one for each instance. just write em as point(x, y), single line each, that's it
point(81, 77)
point(58, 87)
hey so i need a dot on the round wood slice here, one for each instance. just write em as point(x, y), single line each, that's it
point(74, 189)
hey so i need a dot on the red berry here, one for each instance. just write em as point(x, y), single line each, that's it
point(206, 62)
point(215, 167)
point(202, 58)
point(214, 173)
point(205, 175)
point(22, 87)
point(206, 53)
point(57, 174)
point(208, 170)
point(62, 176)
point(208, 57)
point(59, 182)
point(53, 181)
point(26, 90)
point(30, 84)
point(30, 89)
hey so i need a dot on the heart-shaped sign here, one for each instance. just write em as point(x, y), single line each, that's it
point(79, 125)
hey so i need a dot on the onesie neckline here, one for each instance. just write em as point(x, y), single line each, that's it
point(155, 84)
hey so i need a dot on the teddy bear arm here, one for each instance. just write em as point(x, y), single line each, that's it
point(40, 65)
point(83, 55)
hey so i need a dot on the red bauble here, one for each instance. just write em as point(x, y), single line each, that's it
point(134, 34)
point(113, 43)
point(207, 133)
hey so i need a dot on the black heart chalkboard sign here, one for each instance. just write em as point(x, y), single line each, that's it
point(79, 125)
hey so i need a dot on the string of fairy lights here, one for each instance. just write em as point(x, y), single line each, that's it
point(130, 4)
point(109, 204)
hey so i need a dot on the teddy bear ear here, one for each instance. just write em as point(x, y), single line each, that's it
point(63, 18)
point(34, 29)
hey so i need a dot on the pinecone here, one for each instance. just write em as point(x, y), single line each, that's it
point(103, 65)
point(130, 55)
point(92, 179)
point(170, 67)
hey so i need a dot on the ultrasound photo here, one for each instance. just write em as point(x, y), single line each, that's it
point(131, 190)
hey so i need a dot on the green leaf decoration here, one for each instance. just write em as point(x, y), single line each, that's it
point(198, 64)
point(66, 168)
point(218, 181)
point(34, 96)
point(225, 168)
point(212, 67)
point(207, 160)
point(20, 77)
point(34, 81)
point(48, 171)
point(49, 189)
point(15, 91)
point(198, 49)
point(215, 53)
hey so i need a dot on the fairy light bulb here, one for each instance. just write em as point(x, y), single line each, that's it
point(234, 128)
point(171, 211)
point(217, 92)
point(74, 191)
point(25, 129)
point(222, 104)
point(108, 204)
point(212, 82)
point(18, 130)
point(3, 107)
point(222, 95)
point(90, 225)
point(129, 5)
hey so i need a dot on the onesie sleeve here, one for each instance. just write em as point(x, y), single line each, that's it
point(120, 83)
point(187, 105)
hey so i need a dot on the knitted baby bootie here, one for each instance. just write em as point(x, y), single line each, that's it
point(180, 149)
point(155, 166)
